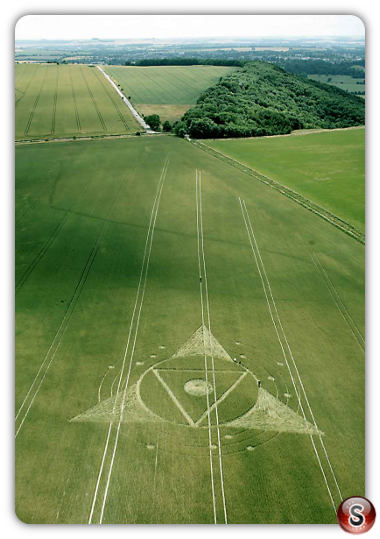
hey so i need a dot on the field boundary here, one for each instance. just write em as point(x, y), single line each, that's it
point(299, 132)
point(74, 138)
point(336, 221)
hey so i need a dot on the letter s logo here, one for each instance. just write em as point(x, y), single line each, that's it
point(356, 515)
point(356, 519)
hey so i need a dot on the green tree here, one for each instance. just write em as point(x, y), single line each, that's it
point(166, 126)
point(180, 129)
point(263, 99)
point(154, 121)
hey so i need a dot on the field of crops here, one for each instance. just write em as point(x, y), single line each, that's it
point(167, 91)
point(67, 100)
point(144, 267)
point(344, 82)
point(326, 167)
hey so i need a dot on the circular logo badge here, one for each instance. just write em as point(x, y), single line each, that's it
point(356, 515)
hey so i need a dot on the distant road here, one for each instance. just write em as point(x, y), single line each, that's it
point(129, 105)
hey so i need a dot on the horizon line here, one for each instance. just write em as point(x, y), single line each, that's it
point(190, 37)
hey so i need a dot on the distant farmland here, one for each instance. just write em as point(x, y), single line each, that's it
point(344, 82)
point(67, 100)
point(167, 91)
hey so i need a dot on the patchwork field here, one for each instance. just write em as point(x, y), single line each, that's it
point(344, 82)
point(166, 91)
point(326, 167)
point(67, 100)
point(144, 268)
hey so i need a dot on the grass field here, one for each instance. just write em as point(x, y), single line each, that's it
point(130, 408)
point(66, 100)
point(326, 167)
point(344, 82)
point(166, 91)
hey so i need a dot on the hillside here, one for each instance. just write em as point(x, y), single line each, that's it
point(262, 99)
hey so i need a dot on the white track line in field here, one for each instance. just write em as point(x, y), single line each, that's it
point(174, 399)
point(41, 367)
point(71, 307)
point(269, 307)
point(129, 335)
point(286, 360)
point(204, 346)
point(158, 198)
point(40, 384)
point(100, 473)
point(154, 479)
point(113, 383)
point(322, 271)
point(68, 315)
point(100, 385)
point(291, 355)
point(224, 396)
point(149, 233)
point(212, 356)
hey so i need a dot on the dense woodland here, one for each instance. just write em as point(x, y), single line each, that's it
point(321, 67)
point(263, 99)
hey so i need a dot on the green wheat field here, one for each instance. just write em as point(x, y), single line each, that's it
point(189, 341)
point(55, 101)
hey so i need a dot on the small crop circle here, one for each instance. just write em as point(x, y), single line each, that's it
point(198, 387)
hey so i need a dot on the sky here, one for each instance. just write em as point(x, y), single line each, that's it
point(174, 26)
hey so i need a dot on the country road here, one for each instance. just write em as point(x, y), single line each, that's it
point(128, 104)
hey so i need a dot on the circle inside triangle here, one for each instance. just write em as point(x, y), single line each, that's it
point(184, 390)
point(198, 387)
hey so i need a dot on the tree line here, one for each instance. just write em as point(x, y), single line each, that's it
point(263, 99)
point(320, 67)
